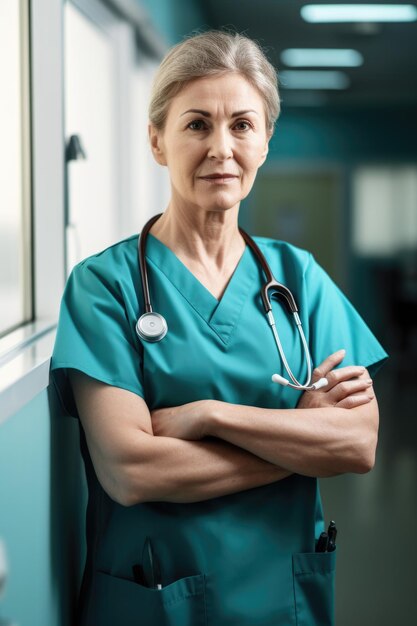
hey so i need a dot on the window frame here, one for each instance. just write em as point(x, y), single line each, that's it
point(25, 246)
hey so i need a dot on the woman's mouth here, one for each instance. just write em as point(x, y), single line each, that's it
point(219, 178)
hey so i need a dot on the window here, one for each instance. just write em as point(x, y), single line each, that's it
point(385, 210)
point(15, 182)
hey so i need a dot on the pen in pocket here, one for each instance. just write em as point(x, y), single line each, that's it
point(322, 543)
point(150, 566)
point(327, 541)
point(332, 532)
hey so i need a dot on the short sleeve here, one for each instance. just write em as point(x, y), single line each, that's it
point(94, 335)
point(335, 324)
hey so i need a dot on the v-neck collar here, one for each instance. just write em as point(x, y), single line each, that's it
point(221, 315)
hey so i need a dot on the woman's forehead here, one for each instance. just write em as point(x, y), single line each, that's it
point(232, 91)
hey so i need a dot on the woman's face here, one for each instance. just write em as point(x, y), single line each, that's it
point(214, 126)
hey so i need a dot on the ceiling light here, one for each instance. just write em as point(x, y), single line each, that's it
point(359, 13)
point(321, 57)
point(294, 79)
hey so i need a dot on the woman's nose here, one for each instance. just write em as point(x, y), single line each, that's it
point(221, 144)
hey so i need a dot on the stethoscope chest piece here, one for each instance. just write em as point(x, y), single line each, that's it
point(151, 327)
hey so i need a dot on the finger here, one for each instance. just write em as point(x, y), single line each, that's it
point(356, 400)
point(349, 387)
point(328, 364)
point(348, 372)
point(340, 375)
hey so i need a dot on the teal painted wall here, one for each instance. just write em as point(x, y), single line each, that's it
point(42, 499)
point(175, 18)
point(346, 135)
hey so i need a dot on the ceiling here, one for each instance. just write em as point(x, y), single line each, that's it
point(388, 76)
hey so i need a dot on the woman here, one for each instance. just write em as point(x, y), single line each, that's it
point(202, 473)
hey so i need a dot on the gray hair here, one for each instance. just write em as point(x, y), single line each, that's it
point(211, 53)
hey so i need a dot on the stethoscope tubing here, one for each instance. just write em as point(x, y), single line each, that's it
point(142, 261)
point(152, 326)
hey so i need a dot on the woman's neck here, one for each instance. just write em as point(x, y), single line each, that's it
point(209, 240)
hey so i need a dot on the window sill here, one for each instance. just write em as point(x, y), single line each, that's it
point(25, 356)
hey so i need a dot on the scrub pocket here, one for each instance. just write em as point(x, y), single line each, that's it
point(121, 601)
point(313, 575)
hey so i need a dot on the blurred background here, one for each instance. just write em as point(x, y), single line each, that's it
point(76, 174)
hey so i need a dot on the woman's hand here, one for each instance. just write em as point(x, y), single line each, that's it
point(187, 421)
point(348, 387)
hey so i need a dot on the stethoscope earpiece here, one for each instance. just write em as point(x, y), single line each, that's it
point(276, 378)
point(319, 384)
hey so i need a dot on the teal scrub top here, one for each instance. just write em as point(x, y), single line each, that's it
point(236, 560)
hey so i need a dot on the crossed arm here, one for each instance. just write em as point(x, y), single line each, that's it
point(207, 449)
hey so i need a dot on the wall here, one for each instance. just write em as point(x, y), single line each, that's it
point(175, 18)
point(346, 135)
point(42, 496)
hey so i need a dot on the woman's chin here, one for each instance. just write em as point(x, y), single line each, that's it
point(221, 203)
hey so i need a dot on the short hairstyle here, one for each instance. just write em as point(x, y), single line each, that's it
point(212, 53)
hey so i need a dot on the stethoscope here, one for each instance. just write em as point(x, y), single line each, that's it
point(152, 326)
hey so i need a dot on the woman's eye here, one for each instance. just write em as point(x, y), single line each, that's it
point(196, 125)
point(242, 125)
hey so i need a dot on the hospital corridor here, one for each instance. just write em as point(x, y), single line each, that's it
point(208, 313)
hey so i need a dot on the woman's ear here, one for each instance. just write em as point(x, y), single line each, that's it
point(264, 153)
point(157, 144)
